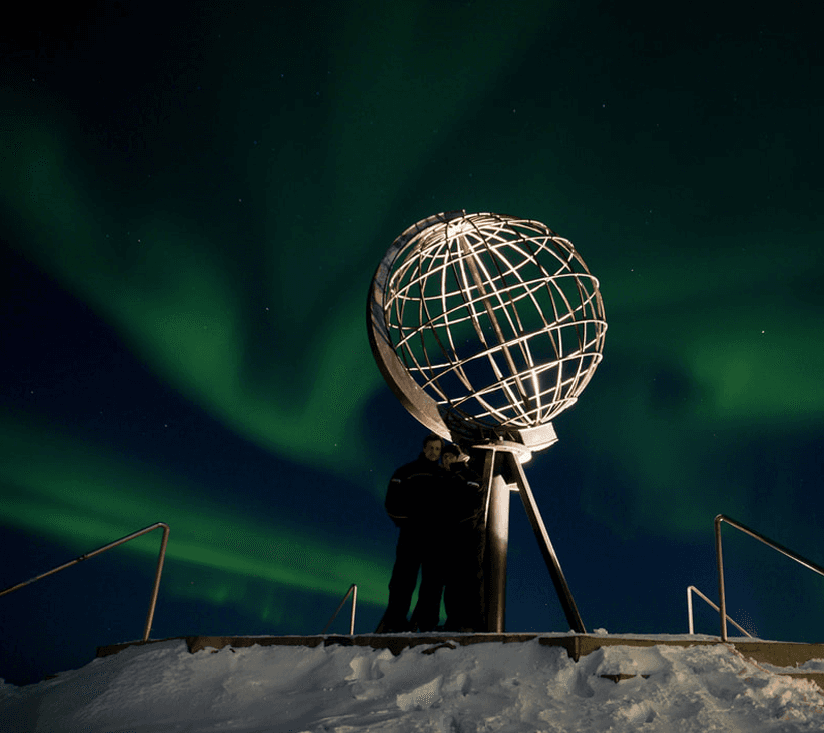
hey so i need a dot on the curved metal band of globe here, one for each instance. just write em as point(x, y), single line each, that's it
point(422, 407)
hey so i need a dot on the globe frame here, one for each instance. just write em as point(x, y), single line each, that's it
point(456, 270)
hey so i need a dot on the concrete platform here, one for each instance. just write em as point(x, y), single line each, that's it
point(787, 655)
point(396, 643)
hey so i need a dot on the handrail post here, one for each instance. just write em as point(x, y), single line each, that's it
point(354, 602)
point(720, 562)
point(353, 589)
point(689, 610)
point(161, 556)
point(692, 589)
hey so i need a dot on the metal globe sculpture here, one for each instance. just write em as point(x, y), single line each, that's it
point(486, 326)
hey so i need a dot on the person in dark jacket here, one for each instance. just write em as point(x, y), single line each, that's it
point(463, 544)
point(410, 502)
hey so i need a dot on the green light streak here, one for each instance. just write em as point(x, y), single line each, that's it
point(172, 302)
point(683, 276)
point(177, 295)
point(760, 374)
point(70, 493)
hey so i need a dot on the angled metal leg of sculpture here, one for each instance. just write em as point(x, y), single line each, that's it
point(550, 558)
point(496, 465)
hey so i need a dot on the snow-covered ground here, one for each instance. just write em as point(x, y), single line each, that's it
point(511, 687)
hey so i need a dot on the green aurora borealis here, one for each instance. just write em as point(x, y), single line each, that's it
point(218, 200)
point(76, 482)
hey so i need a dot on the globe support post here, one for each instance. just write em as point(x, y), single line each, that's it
point(497, 540)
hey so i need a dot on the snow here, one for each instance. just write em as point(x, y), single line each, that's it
point(484, 687)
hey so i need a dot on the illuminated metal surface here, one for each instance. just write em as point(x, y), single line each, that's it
point(486, 326)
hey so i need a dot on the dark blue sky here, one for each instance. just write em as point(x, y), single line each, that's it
point(193, 201)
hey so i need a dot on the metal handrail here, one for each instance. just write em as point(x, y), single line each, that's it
point(122, 540)
point(692, 589)
point(761, 538)
point(353, 589)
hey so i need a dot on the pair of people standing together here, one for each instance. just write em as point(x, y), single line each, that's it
point(438, 510)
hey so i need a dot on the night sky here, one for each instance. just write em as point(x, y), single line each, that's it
point(193, 200)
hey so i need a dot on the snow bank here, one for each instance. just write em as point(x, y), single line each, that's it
point(473, 689)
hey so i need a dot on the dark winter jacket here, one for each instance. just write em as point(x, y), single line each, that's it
point(463, 497)
point(414, 491)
